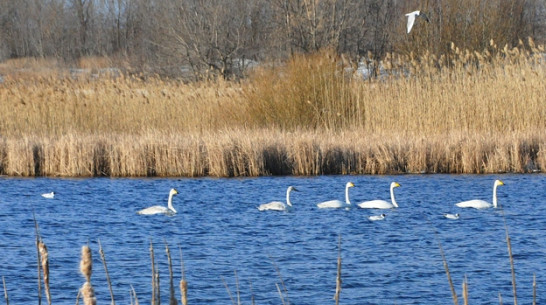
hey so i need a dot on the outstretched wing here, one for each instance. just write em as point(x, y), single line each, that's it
point(411, 21)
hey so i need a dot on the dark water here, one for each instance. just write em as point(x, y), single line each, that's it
point(220, 232)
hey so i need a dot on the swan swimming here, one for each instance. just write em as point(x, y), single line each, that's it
point(411, 19)
point(381, 204)
point(277, 205)
point(49, 195)
point(481, 204)
point(452, 216)
point(377, 217)
point(334, 204)
point(159, 209)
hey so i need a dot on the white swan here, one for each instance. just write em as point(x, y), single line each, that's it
point(411, 18)
point(334, 204)
point(377, 217)
point(49, 195)
point(480, 204)
point(277, 205)
point(381, 204)
point(452, 216)
point(159, 209)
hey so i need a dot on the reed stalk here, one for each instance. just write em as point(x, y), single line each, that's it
point(103, 258)
point(446, 267)
point(338, 277)
point(512, 268)
point(284, 297)
point(465, 291)
point(134, 296)
point(172, 297)
point(44, 256)
point(155, 288)
point(279, 291)
point(534, 289)
point(37, 241)
point(228, 291)
point(5, 291)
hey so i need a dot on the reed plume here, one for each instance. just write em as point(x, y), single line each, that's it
point(86, 265)
point(183, 282)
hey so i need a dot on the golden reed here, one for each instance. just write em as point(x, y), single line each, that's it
point(462, 112)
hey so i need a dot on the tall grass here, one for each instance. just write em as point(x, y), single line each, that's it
point(463, 112)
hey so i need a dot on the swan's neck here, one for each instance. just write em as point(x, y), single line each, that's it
point(347, 195)
point(170, 203)
point(392, 197)
point(288, 198)
point(495, 196)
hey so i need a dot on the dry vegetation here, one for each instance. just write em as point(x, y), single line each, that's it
point(463, 112)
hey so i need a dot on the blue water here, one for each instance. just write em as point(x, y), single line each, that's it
point(226, 241)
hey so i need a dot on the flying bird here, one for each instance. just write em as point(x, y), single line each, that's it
point(411, 19)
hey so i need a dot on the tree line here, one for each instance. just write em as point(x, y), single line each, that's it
point(224, 37)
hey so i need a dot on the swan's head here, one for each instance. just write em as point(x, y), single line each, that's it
point(498, 182)
point(350, 184)
point(173, 192)
point(291, 188)
point(395, 184)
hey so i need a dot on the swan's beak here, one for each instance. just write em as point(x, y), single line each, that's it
point(501, 183)
point(396, 184)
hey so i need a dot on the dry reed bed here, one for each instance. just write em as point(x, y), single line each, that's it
point(461, 113)
point(264, 152)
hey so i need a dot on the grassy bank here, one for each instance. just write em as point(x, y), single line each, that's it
point(460, 113)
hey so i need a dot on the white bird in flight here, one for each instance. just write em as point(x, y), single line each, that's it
point(411, 18)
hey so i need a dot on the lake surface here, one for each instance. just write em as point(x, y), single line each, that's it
point(220, 231)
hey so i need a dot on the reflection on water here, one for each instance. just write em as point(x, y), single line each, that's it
point(220, 231)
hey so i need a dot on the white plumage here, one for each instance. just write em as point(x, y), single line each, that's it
point(277, 205)
point(334, 204)
point(159, 209)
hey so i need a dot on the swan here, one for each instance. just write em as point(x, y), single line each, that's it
point(334, 204)
point(49, 195)
point(452, 216)
point(277, 205)
point(377, 217)
point(480, 204)
point(381, 204)
point(159, 209)
point(411, 18)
